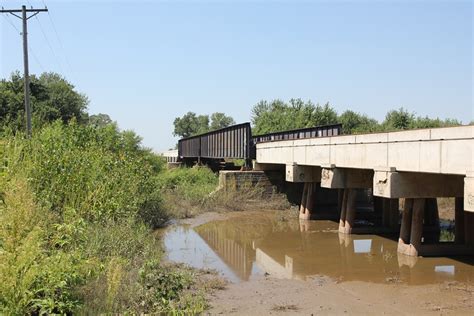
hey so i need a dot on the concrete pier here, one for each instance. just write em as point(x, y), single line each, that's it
point(416, 166)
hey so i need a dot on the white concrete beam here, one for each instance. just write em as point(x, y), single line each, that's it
point(340, 178)
point(299, 173)
point(469, 192)
point(392, 184)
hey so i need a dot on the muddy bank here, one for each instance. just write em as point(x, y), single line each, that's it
point(277, 265)
point(323, 296)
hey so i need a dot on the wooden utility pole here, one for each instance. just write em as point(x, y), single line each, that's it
point(26, 73)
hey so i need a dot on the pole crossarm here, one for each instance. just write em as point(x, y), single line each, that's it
point(26, 10)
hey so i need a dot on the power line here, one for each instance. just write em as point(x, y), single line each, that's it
point(11, 23)
point(36, 59)
point(7, 18)
point(58, 38)
point(49, 44)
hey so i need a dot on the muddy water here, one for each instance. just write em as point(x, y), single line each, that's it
point(250, 244)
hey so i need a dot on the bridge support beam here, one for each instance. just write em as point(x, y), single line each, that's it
point(301, 173)
point(389, 183)
point(341, 178)
point(469, 192)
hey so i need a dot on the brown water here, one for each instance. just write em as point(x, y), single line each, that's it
point(251, 244)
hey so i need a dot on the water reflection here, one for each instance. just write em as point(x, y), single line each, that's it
point(256, 243)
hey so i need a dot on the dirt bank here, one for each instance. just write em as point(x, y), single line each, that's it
point(322, 296)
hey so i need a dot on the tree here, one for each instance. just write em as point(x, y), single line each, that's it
point(353, 122)
point(191, 124)
point(52, 98)
point(220, 120)
point(277, 115)
point(398, 119)
point(100, 120)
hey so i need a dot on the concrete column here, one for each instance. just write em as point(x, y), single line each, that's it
point(303, 201)
point(378, 206)
point(340, 197)
point(459, 220)
point(390, 214)
point(310, 200)
point(431, 212)
point(342, 218)
point(351, 211)
point(405, 228)
point(417, 226)
point(431, 219)
point(346, 222)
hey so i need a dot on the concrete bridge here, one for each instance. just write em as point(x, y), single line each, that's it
point(407, 169)
point(417, 166)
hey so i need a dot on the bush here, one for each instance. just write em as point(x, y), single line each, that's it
point(36, 276)
point(77, 203)
point(94, 171)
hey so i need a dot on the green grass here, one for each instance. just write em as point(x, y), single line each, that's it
point(77, 211)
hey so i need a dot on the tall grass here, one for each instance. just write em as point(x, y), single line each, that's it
point(77, 205)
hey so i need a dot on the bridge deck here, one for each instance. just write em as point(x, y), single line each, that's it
point(438, 150)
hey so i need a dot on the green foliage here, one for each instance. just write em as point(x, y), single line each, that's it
point(189, 183)
point(353, 122)
point(52, 98)
point(77, 203)
point(161, 284)
point(191, 124)
point(398, 119)
point(100, 120)
point(401, 119)
point(277, 115)
point(220, 120)
point(100, 173)
point(36, 275)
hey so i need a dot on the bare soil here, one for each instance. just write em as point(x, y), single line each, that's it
point(322, 296)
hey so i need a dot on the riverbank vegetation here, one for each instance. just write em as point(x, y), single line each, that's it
point(78, 207)
point(80, 201)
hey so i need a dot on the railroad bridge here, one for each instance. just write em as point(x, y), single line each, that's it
point(407, 169)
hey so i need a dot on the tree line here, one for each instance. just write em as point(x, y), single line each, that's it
point(277, 115)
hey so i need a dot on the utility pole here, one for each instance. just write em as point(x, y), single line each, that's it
point(26, 73)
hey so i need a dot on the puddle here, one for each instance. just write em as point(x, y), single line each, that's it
point(252, 244)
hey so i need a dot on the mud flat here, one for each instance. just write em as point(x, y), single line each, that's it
point(276, 264)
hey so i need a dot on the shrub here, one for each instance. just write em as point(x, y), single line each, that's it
point(93, 171)
point(36, 277)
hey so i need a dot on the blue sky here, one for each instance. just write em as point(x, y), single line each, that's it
point(146, 62)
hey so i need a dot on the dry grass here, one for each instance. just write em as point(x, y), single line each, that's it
point(284, 308)
point(220, 200)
